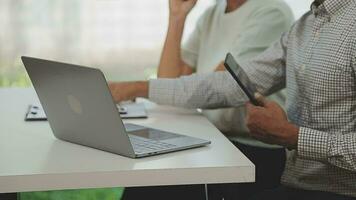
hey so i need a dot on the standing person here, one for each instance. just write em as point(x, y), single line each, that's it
point(245, 28)
point(316, 61)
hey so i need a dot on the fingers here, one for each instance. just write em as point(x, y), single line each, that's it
point(252, 114)
point(261, 99)
point(220, 67)
point(249, 109)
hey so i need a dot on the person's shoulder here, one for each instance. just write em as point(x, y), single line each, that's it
point(211, 10)
point(208, 15)
point(281, 4)
point(277, 3)
point(279, 7)
point(271, 5)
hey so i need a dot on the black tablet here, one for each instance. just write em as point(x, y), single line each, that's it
point(241, 78)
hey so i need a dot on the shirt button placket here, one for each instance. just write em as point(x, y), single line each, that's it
point(302, 67)
point(317, 34)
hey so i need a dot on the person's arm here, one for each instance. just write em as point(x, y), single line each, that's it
point(270, 124)
point(171, 64)
point(336, 149)
point(218, 89)
point(211, 90)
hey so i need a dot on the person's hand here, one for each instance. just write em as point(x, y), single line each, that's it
point(124, 91)
point(269, 124)
point(220, 67)
point(181, 8)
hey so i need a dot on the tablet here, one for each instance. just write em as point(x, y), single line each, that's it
point(241, 78)
point(127, 111)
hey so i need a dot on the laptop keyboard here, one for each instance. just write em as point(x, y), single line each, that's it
point(143, 145)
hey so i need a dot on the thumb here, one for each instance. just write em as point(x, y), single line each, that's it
point(261, 99)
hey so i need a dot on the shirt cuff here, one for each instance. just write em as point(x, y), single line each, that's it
point(312, 144)
point(161, 91)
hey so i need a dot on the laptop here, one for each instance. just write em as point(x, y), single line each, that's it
point(80, 109)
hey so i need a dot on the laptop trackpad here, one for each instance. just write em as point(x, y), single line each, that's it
point(154, 134)
point(133, 127)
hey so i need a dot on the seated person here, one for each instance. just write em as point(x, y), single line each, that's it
point(316, 61)
point(245, 28)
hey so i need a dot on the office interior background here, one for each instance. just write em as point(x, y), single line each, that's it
point(122, 37)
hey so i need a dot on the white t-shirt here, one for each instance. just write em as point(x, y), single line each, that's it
point(245, 32)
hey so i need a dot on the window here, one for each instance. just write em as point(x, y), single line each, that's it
point(122, 37)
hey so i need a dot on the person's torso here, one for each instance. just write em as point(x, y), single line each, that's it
point(321, 87)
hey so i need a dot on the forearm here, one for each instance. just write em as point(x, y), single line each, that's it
point(123, 91)
point(171, 63)
point(336, 149)
point(214, 90)
point(219, 89)
point(142, 89)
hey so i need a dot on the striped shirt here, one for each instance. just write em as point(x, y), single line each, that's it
point(316, 62)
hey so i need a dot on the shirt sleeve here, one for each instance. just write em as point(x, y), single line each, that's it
point(268, 70)
point(219, 89)
point(210, 90)
point(354, 54)
point(337, 149)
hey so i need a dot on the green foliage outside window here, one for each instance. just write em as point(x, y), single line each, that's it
point(85, 194)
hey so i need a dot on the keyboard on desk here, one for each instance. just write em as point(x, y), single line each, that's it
point(143, 145)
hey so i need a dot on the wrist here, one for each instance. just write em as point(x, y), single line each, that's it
point(142, 89)
point(291, 132)
point(177, 18)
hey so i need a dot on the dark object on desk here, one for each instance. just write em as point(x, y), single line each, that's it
point(241, 78)
point(35, 113)
point(127, 111)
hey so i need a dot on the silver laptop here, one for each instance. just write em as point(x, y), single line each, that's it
point(81, 110)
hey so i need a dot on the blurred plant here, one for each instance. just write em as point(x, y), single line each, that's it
point(14, 76)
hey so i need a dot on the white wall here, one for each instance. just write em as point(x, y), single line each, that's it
point(122, 37)
point(299, 7)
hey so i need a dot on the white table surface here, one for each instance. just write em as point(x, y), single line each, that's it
point(32, 159)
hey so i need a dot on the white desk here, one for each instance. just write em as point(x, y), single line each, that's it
point(31, 159)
